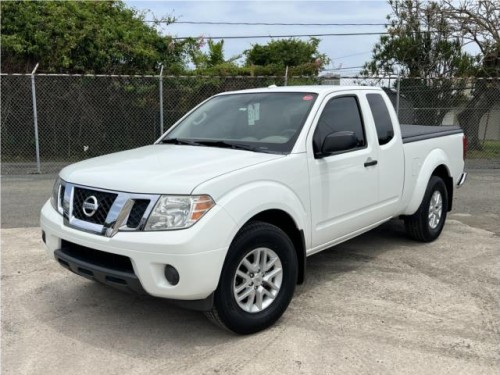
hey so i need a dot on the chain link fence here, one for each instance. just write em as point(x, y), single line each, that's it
point(17, 132)
point(73, 117)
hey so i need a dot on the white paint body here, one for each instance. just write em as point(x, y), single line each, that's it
point(331, 199)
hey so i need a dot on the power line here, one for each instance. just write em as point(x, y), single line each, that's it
point(264, 23)
point(280, 36)
point(353, 54)
point(346, 68)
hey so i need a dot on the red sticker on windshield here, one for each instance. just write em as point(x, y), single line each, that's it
point(308, 97)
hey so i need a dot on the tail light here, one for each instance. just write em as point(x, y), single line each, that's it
point(465, 146)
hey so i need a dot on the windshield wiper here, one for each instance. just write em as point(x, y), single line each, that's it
point(215, 143)
point(235, 146)
point(179, 141)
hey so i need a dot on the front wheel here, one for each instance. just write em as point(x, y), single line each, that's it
point(257, 281)
point(427, 223)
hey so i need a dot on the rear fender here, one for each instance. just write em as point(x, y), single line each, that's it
point(436, 158)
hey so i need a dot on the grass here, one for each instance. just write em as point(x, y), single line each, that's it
point(491, 150)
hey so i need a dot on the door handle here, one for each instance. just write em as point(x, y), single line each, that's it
point(370, 163)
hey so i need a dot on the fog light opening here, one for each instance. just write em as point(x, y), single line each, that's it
point(171, 275)
point(44, 237)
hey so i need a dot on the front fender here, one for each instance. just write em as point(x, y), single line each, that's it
point(436, 158)
point(248, 200)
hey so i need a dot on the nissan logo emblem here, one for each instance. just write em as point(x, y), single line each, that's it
point(90, 206)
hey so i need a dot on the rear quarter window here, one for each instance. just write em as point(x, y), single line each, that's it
point(381, 117)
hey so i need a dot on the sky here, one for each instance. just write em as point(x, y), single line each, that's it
point(345, 51)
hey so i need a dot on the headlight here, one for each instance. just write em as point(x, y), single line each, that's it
point(178, 212)
point(58, 195)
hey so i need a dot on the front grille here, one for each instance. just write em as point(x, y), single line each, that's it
point(97, 258)
point(104, 212)
point(61, 195)
point(104, 200)
point(137, 212)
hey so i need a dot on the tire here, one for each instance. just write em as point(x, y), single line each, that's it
point(258, 279)
point(426, 224)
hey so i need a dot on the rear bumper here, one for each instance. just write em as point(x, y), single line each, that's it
point(462, 179)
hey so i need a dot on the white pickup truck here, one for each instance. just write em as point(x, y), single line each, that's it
point(222, 211)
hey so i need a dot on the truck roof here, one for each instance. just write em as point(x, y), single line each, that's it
point(316, 89)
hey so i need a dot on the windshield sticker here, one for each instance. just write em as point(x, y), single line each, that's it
point(253, 113)
point(308, 97)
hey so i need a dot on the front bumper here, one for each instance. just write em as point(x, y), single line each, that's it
point(123, 280)
point(197, 253)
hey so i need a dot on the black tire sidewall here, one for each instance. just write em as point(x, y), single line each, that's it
point(435, 184)
point(252, 237)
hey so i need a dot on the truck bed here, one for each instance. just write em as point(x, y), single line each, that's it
point(413, 133)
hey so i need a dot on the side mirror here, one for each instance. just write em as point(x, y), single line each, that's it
point(338, 141)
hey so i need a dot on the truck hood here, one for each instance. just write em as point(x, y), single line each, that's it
point(161, 169)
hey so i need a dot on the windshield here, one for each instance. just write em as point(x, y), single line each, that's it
point(264, 122)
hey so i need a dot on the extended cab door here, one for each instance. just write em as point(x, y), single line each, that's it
point(391, 161)
point(344, 185)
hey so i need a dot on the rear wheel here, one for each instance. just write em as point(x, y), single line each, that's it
point(258, 279)
point(427, 223)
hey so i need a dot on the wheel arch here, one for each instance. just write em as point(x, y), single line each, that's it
point(443, 172)
point(436, 164)
point(286, 223)
point(273, 203)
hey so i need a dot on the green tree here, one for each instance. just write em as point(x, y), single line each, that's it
point(421, 48)
point(214, 57)
point(84, 37)
point(478, 22)
point(419, 44)
point(425, 43)
point(288, 52)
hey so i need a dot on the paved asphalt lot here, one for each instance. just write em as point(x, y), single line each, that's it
point(377, 304)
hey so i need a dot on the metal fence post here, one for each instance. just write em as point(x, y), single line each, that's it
point(161, 99)
point(35, 119)
point(398, 85)
point(286, 76)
